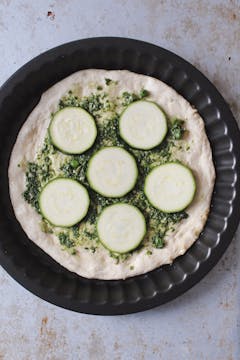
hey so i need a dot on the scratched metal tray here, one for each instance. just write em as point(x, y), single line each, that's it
point(39, 273)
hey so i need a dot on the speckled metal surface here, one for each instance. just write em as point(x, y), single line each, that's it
point(204, 323)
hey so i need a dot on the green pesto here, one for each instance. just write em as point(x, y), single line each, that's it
point(128, 98)
point(106, 113)
point(65, 240)
point(158, 240)
point(33, 185)
point(177, 129)
point(38, 174)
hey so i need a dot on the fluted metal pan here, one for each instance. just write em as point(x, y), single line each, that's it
point(39, 273)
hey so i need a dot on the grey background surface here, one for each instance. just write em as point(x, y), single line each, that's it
point(204, 323)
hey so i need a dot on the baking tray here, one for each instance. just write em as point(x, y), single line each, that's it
point(38, 272)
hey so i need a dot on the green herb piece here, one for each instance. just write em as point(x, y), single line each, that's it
point(99, 88)
point(74, 163)
point(158, 241)
point(110, 81)
point(65, 240)
point(128, 98)
point(143, 93)
point(177, 129)
point(131, 267)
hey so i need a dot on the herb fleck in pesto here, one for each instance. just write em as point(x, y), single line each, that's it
point(74, 163)
point(177, 129)
point(69, 100)
point(99, 88)
point(92, 104)
point(143, 93)
point(128, 98)
point(108, 133)
point(75, 168)
point(65, 240)
point(158, 241)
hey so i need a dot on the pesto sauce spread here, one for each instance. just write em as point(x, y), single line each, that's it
point(51, 163)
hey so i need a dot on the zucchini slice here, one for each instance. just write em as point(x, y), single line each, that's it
point(64, 202)
point(143, 125)
point(121, 227)
point(170, 187)
point(112, 172)
point(72, 130)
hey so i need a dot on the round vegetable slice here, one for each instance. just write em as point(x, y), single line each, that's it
point(143, 125)
point(72, 130)
point(64, 202)
point(112, 172)
point(121, 227)
point(170, 187)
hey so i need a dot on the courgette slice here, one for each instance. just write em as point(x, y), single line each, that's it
point(64, 202)
point(112, 172)
point(72, 130)
point(143, 125)
point(121, 227)
point(170, 187)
